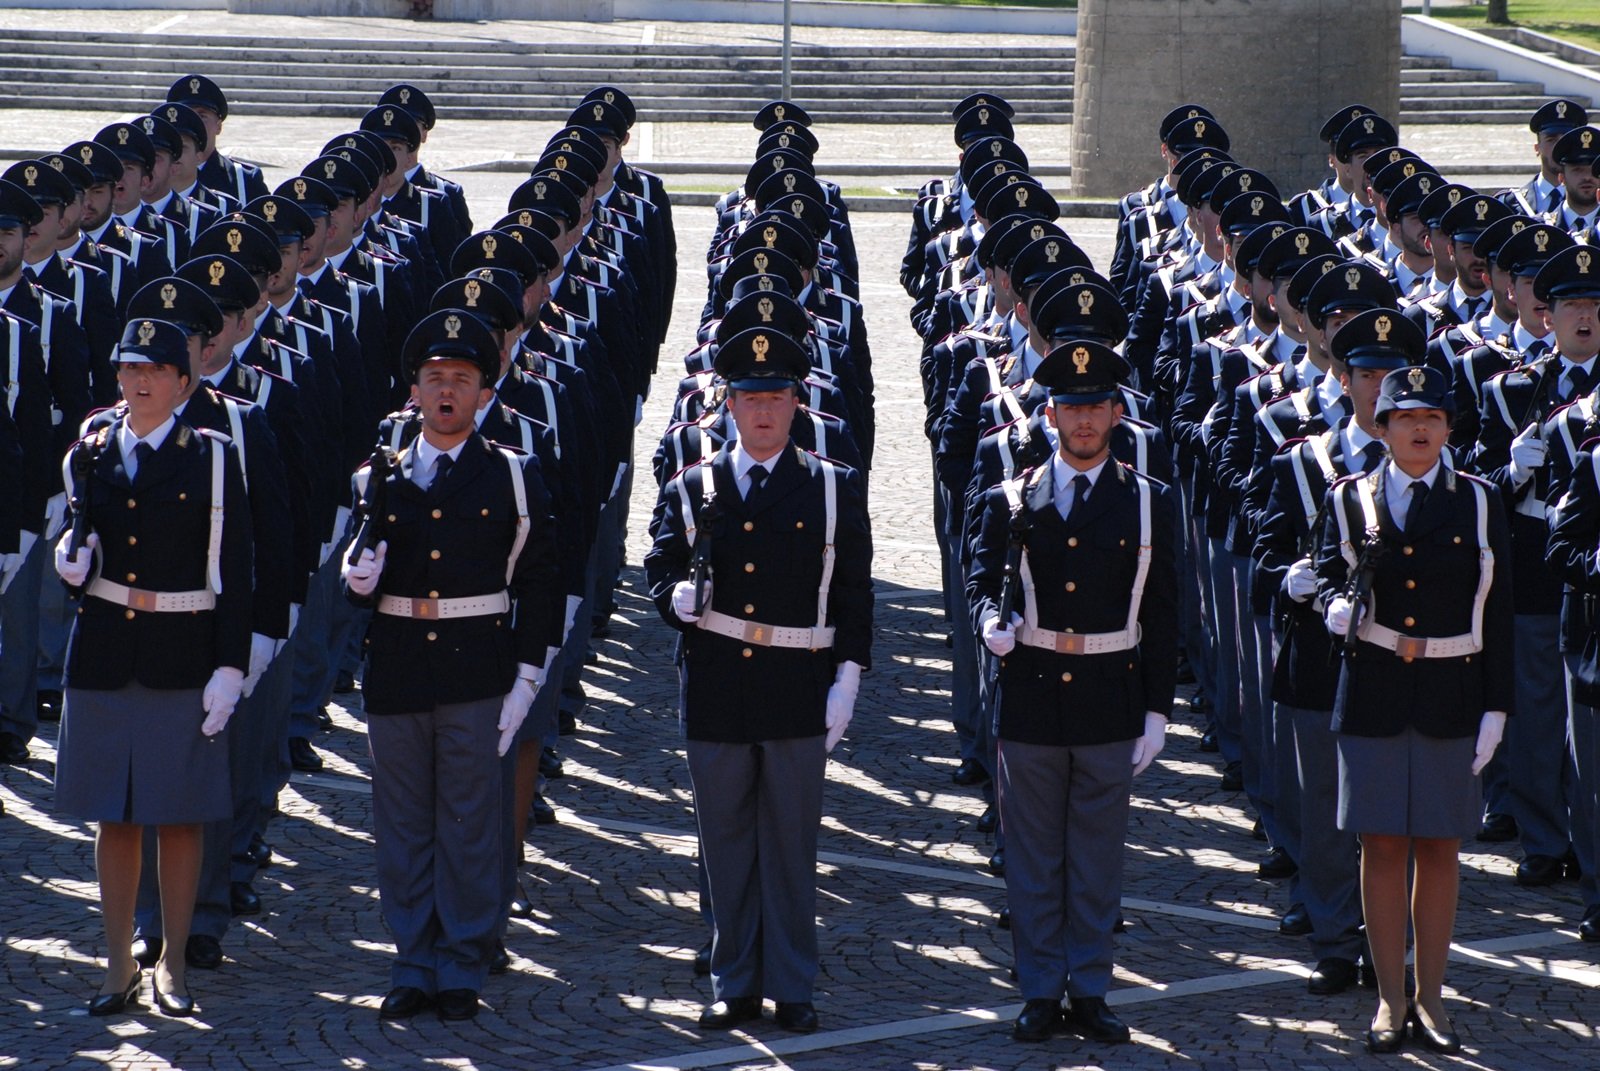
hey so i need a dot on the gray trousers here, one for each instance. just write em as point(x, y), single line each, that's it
point(1066, 816)
point(1255, 721)
point(1329, 879)
point(759, 809)
point(19, 642)
point(437, 818)
point(1537, 759)
point(1583, 736)
point(1224, 626)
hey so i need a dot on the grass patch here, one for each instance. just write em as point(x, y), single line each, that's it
point(1577, 21)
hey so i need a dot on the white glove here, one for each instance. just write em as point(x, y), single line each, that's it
point(1000, 640)
point(75, 569)
point(514, 708)
point(1301, 580)
point(363, 575)
point(1528, 452)
point(1337, 614)
point(1490, 730)
point(841, 701)
point(220, 698)
point(683, 601)
point(1148, 746)
point(262, 648)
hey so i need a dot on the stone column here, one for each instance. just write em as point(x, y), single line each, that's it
point(1270, 72)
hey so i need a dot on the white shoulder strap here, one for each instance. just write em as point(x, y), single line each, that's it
point(14, 364)
point(214, 543)
point(830, 499)
point(520, 491)
point(236, 432)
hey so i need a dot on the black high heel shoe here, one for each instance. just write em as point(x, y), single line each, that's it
point(113, 1003)
point(173, 1004)
point(1383, 1041)
point(1440, 1041)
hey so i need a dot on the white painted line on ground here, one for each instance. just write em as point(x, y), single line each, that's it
point(647, 36)
point(646, 149)
point(164, 24)
point(1279, 971)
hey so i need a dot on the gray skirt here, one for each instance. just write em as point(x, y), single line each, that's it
point(1409, 785)
point(137, 755)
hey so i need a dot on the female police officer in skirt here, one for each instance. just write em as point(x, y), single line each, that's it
point(157, 655)
point(1413, 576)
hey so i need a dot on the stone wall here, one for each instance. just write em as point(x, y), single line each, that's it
point(1270, 70)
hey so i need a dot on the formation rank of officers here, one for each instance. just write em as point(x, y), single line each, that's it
point(197, 365)
point(1350, 433)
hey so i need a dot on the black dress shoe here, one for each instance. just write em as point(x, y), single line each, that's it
point(1258, 831)
point(988, 820)
point(456, 1005)
point(1442, 1041)
point(403, 1002)
point(1232, 778)
point(1570, 868)
point(203, 951)
point(600, 630)
point(970, 772)
point(1200, 705)
point(1539, 870)
point(1088, 1017)
point(49, 706)
point(177, 1005)
point(115, 1003)
point(500, 960)
point(566, 723)
point(1296, 921)
point(542, 813)
point(702, 960)
point(550, 764)
point(243, 900)
point(997, 863)
point(1003, 920)
point(147, 951)
point(302, 756)
point(1497, 828)
point(1208, 743)
point(324, 718)
point(1333, 975)
point(727, 1014)
point(13, 749)
point(1121, 925)
point(258, 855)
point(1589, 929)
point(797, 1017)
point(520, 907)
point(344, 682)
point(1039, 1018)
point(1276, 865)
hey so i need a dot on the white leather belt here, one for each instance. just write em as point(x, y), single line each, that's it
point(1078, 643)
point(1418, 646)
point(444, 609)
point(154, 602)
point(766, 635)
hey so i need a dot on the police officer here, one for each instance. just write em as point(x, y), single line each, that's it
point(1086, 681)
point(240, 181)
point(159, 651)
point(1409, 574)
point(466, 617)
point(762, 559)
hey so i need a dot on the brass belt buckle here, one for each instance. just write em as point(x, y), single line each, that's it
point(1411, 646)
point(141, 600)
point(757, 634)
point(1070, 643)
point(425, 609)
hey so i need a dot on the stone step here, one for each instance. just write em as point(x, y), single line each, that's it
point(369, 82)
point(1470, 89)
point(1504, 116)
point(1493, 102)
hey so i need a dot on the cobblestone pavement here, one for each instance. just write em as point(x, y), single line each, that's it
point(914, 971)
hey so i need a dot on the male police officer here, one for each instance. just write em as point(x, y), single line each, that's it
point(774, 649)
